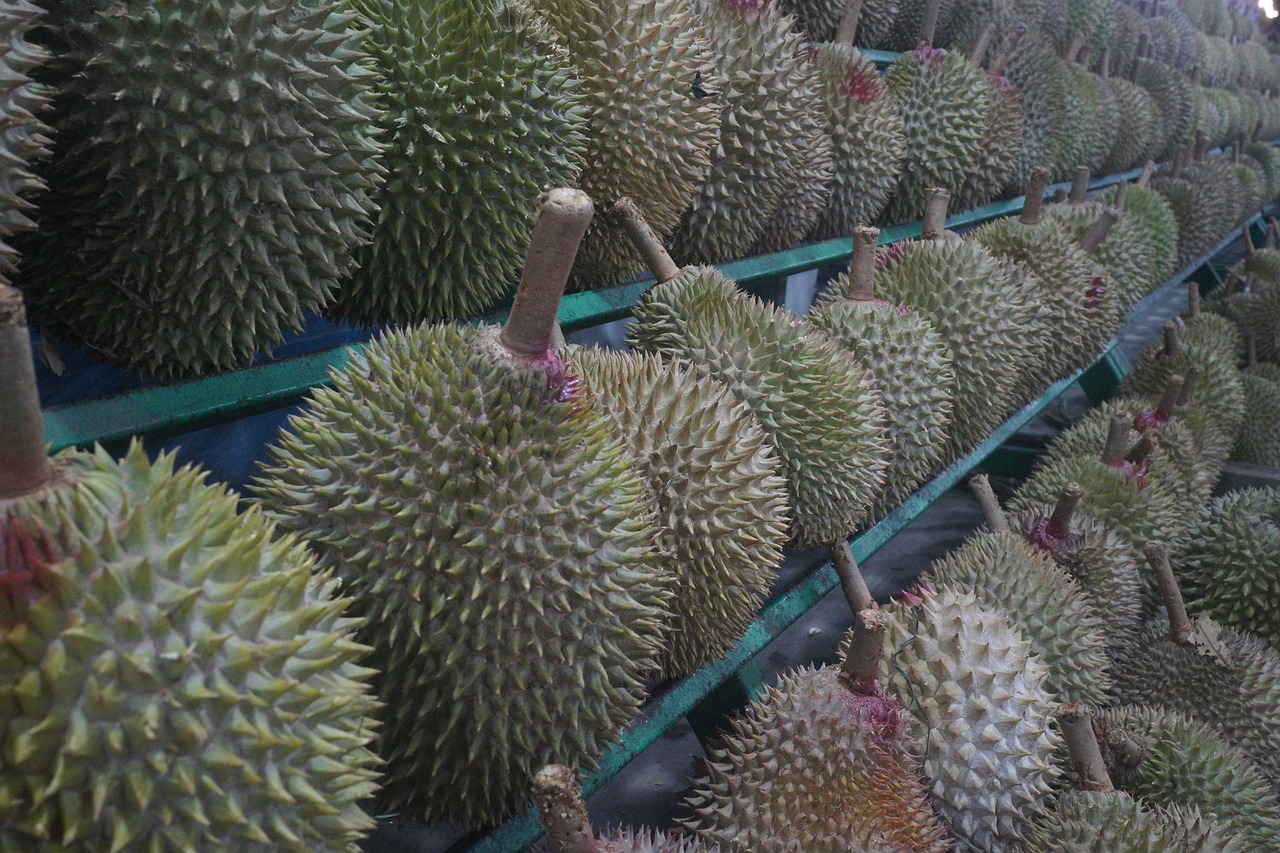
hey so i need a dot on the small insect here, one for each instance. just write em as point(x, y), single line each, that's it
point(698, 90)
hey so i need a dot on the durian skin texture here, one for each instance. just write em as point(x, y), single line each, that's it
point(26, 137)
point(501, 544)
point(1258, 442)
point(1088, 822)
point(721, 498)
point(814, 400)
point(214, 173)
point(454, 215)
point(178, 667)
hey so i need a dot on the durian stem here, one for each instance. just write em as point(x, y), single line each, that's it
point(1117, 440)
point(1169, 399)
point(929, 22)
point(646, 242)
point(1158, 558)
point(935, 214)
point(991, 511)
point(852, 583)
point(1148, 168)
point(563, 217)
point(1059, 526)
point(1193, 374)
point(1202, 145)
point(556, 791)
point(1171, 343)
point(1011, 44)
point(24, 460)
point(1082, 746)
point(1128, 750)
point(1249, 248)
point(1079, 185)
point(1142, 448)
point(1193, 298)
point(1104, 63)
point(979, 50)
point(1101, 228)
point(1074, 48)
point(862, 266)
point(848, 26)
point(861, 664)
point(1033, 201)
point(1143, 40)
point(1122, 189)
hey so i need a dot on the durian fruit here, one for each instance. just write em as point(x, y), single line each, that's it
point(866, 137)
point(1092, 118)
point(1034, 68)
point(1230, 566)
point(564, 815)
point(718, 485)
point(1145, 239)
point(1209, 331)
point(1171, 91)
point(807, 185)
point(771, 105)
point(1096, 817)
point(943, 99)
point(817, 19)
point(981, 307)
point(1100, 560)
point(1001, 139)
point(976, 700)
point(908, 360)
point(1259, 440)
point(173, 674)
point(1165, 758)
point(455, 214)
point(201, 198)
point(1116, 488)
point(26, 137)
point(1139, 122)
point(818, 406)
point(497, 535)
point(1010, 575)
point(1223, 677)
point(651, 90)
point(822, 762)
point(916, 22)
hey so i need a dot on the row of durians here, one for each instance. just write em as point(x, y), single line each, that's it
point(201, 176)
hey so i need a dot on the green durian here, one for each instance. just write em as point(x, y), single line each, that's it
point(201, 199)
point(1171, 91)
point(771, 105)
point(866, 134)
point(823, 762)
point(981, 307)
point(876, 20)
point(26, 137)
point(816, 19)
point(651, 90)
point(909, 362)
point(809, 179)
point(1268, 159)
point(1074, 24)
point(916, 22)
point(1203, 200)
point(1213, 332)
point(721, 496)
point(1001, 141)
point(173, 674)
point(976, 700)
point(1139, 125)
point(1124, 253)
point(1231, 563)
point(496, 533)
point(1092, 117)
point(454, 215)
point(1146, 239)
point(815, 401)
point(1258, 309)
point(1165, 758)
point(1034, 68)
point(943, 100)
point(1259, 441)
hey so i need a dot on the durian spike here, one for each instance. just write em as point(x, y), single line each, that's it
point(1171, 344)
point(1169, 399)
point(1079, 185)
point(646, 242)
point(1148, 168)
point(848, 25)
point(1157, 554)
point(555, 789)
point(1059, 526)
point(935, 214)
point(991, 511)
point(1101, 228)
point(24, 461)
point(563, 217)
point(1010, 45)
point(1193, 298)
point(861, 665)
point(852, 583)
point(1193, 373)
point(1074, 48)
point(1117, 441)
point(1142, 448)
point(929, 22)
point(862, 266)
point(979, 51)
point(1033, 202)
point(1082, 747)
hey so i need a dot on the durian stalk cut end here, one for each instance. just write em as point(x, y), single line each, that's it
point(935, 214)
point(852, 583)
point(862, 266)
point(1079, 185)
point(1157, 554)
point(861, 665)
point(1059, 526)
point(1148, 168)
point(991, 511)
point(645, 240)
point(1033, 201)
point(1117, 441)
point(1169, 399)
point(1172, 346)
point(24, 458)
point(1082, 746)
point(559, 799)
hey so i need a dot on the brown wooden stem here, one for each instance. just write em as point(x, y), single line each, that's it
point(862, 266)
point(1249, 248)
point(991, 511)
point(1117, 440)
point(1169, 399)
point(1082, 746)
point(1079, 185)
point(1033, 201)
point(1193, 298)
point(1104, 63)
point(24, 460)
point(848, 25)
point(1143, 41)
point(996, 68)
point(1142, 448)
point(1188, 387)
point(559, 799)
point(1074, 48)
point(1059, 526)
point(1157, 554)
point(1171, 344)
point(1148, 168)
point(861, 664)
point(852, 583)
point(1122, 189)
point(979, 50)
point(646, 242)
point(1128, 750)
point(935, 214)
point(929, 22)
point(1101, 228)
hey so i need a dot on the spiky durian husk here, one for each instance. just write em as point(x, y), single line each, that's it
point(912, 368)
point(498, 537)
point(1212, 332)
point(1171, 91)
point(1091, 20)
point(455, 217)
point(1125, 254)
point(817, 19)
point(25, 136)
point(721, 497)
point(1230, 568)
point(200, 203)
point(1259, 440)
point(1035, 69)
point(770, 105)
point(812, 766)
point(943, 100)
point(976, 699)
point(904, 34)
point(1089, 140)
point(1100, 560)
point(1250, 178)
point(1184, 763)
point(1259, 311)
point(1195, 233)
point(1087, 822)
point(866, 135)
point(998, 152)
point(981, 309)
point(644, 840)
point(1148, 227)
point(1139, 125)
point(807, 185)
point(1268, 159)
point(173, 675)
point(816, 403)
point(1010, 575)
point(876, 22)
point(638, 61)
